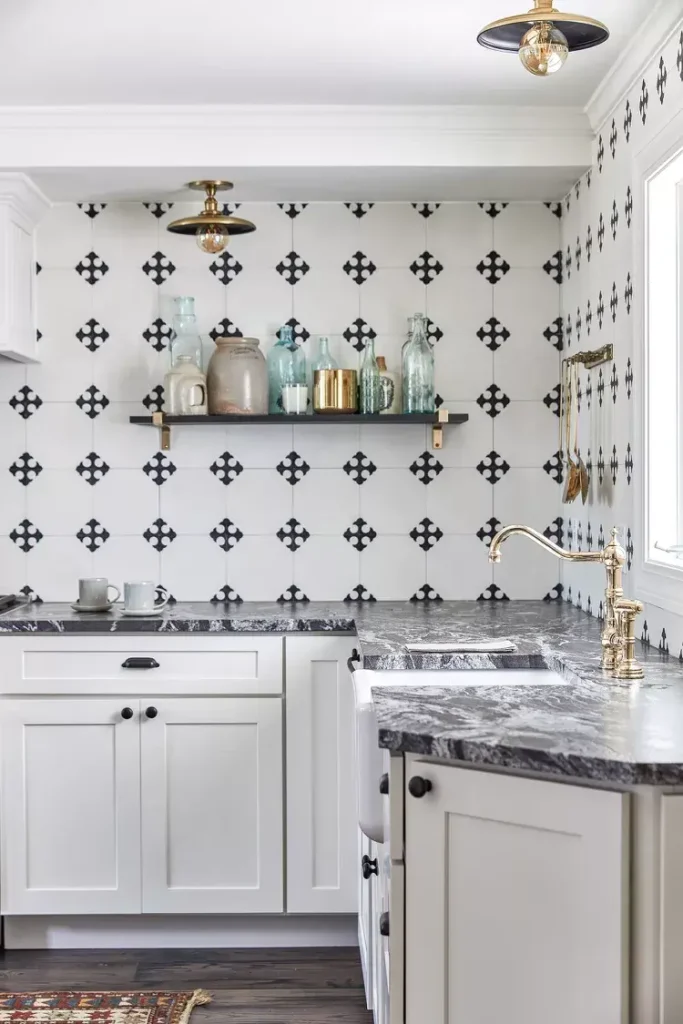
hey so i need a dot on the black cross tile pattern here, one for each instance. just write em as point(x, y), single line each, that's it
point(292, 209)
point(679, 57)
point(555, 209)
point(434, 332)
point(31, 595)
point(493, 467)
point(426, 534)
point(225, 329)
point(613, 138)
point(493, 267)
point(360, 534)
point(359, 593)
point(426, 593)
point(26, 402)
point(225, 268)
point(158, 267)
point(628, 463)
point(553, 267)
point(159, 534)
point(554, 468)
point(360, 468)
point(554, 334)
point(493, 333)
point(493, 593)
point(92, 210)
point(25, 469)
point(154, 400)
point(568, 263)
point(601, 232)
point(426, 468)
point(552, 400)
point(662, 78)
point(158, 334)
point(614, 302)
point(628, 120)
point(614, 220)
point(298, 330)
point(26, 535)
point(226, 595)
point(158, 209)
point(493, 401)
point(226, 534)
point(229, 209)
point(93, 535)
point(614, 464)
point(358, 333)
point(628, 378)
point(426, 209)
point(92, 334)
point(601, 154)
point(293, 595)
point(293, 534)
point(92, 468)
point(555, 532)
point(644, 101)
point(630, 548)
point(359, 267)
point(92, 401)
point(92, 268)
point(487, 532)
point(226, 468)
point(628, 206)
point(555, 594)
point(293, 468)
point(628, 293)
point(159, 469)
point(578, 253)
point(589, 317)
point(359, 209)
point(426, 267)
point(589, 243)
point(292, 267)
point(600, 310)
point(492, 209)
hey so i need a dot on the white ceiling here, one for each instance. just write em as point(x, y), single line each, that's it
point(270, 51)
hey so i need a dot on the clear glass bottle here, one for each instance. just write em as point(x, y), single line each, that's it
point(323, 360)
point(185, 339)
point(286, 365)
point(369, 386)
point(418, 371)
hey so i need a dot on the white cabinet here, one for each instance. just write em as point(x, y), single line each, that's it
point(70, 799)
point(515, 900)
point(212, 806)
point(322, 826)
point(21, 206)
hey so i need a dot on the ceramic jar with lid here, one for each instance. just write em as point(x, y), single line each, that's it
point(237, 378)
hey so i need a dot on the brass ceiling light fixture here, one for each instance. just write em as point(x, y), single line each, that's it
point(211, 228)
point(543, 36)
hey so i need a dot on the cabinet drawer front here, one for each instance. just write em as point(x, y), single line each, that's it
point(127, 664)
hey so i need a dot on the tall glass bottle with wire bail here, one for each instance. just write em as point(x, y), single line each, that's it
point(418, 371)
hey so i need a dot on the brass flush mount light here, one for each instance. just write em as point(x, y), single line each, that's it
point(211, 228)
point(543, 36)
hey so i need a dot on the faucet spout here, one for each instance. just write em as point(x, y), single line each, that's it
point(539, 538)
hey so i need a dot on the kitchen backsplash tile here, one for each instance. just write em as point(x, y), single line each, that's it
point(259, 512)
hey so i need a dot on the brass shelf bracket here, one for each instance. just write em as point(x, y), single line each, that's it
point(592, 359)
point(158, 421)
point(437, 429)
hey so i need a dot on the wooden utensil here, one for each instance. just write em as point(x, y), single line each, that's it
point(584, 476)
point(572, 484)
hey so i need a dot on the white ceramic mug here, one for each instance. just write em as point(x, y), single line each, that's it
point(93, 592)
point(295, 398)
point(139, 597)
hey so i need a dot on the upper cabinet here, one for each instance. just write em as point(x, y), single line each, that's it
point(21, 207)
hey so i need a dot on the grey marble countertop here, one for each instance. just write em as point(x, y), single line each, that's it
point(585, 727)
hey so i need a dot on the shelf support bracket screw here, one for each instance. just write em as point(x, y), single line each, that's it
point(158, 421)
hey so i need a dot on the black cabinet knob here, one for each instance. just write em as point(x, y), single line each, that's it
point(140, 663)
point(419, 786)
point(384, 924)
point(369, 867)
point(151, 712)
point(384, 784)
point(127, 713)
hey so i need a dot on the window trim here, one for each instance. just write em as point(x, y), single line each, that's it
point(657, 583)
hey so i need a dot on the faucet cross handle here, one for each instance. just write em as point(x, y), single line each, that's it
point(627, 612)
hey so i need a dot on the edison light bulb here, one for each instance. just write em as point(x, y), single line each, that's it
point(543, 49)
point(212, 238)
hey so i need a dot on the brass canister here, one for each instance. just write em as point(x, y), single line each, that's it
point(335, 391)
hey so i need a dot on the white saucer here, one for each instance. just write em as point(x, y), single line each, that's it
point(77, 607)
point(142, 613)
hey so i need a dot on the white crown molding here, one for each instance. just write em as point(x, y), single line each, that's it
point(305, 136)
point(643, 47)
point(22, 195)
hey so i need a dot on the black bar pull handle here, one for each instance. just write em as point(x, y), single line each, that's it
point(140, 663)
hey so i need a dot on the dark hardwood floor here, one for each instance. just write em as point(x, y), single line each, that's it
point(247, 986)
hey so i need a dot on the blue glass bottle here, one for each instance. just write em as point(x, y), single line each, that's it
point(418, 371)
point(286, 365)
point(185, 339)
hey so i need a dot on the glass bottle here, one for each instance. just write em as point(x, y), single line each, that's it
point(286, 365)
point(418, 371)
point(185, 339)
point(369, 387)
point(323, 360)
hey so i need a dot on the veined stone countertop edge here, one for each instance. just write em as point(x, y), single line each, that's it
point(586, 726)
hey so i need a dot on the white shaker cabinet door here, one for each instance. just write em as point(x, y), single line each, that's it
point(515, 900)
point(212, 805)
point(70, 798)
point(322, 821)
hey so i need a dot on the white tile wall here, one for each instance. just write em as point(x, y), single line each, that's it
point(598, 247)
point(262, 512)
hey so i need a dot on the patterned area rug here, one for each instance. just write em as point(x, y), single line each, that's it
point(99, 1007)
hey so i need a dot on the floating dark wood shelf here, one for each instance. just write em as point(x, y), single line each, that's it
point(437, 421)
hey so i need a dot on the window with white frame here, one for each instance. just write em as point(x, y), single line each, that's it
point(661, 448)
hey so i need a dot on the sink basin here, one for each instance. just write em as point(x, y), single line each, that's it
point(369, 757)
